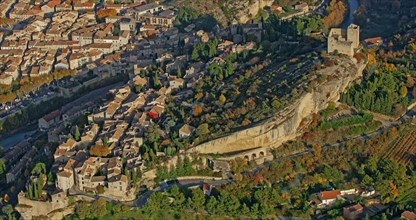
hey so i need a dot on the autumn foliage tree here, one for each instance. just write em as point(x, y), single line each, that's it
point(103, 13)
point(336, 13)
point(197, 110)
point(99, 151)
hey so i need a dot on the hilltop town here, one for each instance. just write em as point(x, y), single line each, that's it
point(156, 109)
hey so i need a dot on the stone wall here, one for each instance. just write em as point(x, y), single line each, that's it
point(284, 126)
point(29, 208)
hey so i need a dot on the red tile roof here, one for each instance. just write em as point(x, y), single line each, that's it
point(53, 3)
point(88, 4)
point(205, 187)
point(330, 194)
point(52, 115)
point(408, 215)
point(374, 40)
point(354, 208)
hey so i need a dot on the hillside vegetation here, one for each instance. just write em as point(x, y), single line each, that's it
point(388, 86)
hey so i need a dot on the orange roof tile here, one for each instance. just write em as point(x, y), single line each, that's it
point(330, 194)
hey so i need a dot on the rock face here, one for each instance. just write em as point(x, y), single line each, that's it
point(29, 208)
point(242, 11)
point(284, 126)
point(247, 10)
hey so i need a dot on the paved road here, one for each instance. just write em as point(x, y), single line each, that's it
point(142, 199)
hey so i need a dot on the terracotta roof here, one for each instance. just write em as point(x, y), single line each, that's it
point(64, 174)
point(186, 129)
point(354, 208)
point(140, 81)
point(205, 187)
point(69, 143)
point(330, 194)
point(70, 164)
point(52, 115)
point(374, 40)
point(60, 152)
point(88, 4)
point(101, 45)
point(408, 215)
point(97, 178)
point(157, 109)
point(53, 3)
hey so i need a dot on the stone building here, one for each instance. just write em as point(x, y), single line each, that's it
point(344, 41)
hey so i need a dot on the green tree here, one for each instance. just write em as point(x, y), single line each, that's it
point(2, 167)
point(222, 99)
point(77, 134)
point(98, 208)
point(202, 129)
point(8, 210)
point(403, 91)
point(211, 205)
point(197, 200)
point(179, 73)
point(229, 67)
point(39, 168)
point(178, 196)
point(83, 210)
point(195, 55)
point(156, 82)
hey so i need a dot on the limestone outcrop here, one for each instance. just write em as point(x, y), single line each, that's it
point(241, 11)
point(284, 126)
point(29, 208)
point(247, 10)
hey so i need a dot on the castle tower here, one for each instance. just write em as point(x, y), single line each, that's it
point(353, 35)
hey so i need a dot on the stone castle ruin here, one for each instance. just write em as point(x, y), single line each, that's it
point(344, 41)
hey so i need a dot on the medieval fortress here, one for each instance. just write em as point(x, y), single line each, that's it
point(344, 41)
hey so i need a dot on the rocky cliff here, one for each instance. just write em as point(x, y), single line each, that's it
point(238, 11)
point(284, 126)
point(29, 209)
point(247, 10)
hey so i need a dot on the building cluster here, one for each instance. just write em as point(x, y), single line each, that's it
point(40, 37)
point(78, 170)
point(69, 36)
point(355, 211)
point(125, 118)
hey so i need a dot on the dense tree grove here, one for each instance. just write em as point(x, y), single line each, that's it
point(204, 51)
point(379, 93)
point(2, 171)
point(388, 82)
point(336, 12)
point(183, 167)
point(37, 181)
point(348, 121)
point(187, 16)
